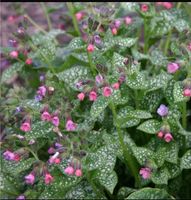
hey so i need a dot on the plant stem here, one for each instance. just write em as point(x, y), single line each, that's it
point(184, 121)
point(136, 99)
point(91, 63)
point(35, 24)
point(167, 42)
point(145, 37)
point(36, 157)
point(130, 161)
point(75, 23)
point(47, 15)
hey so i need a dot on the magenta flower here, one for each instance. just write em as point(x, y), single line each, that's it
point(160, 134)
point(78, 172)
point(90, 48)
point(55, 120)
point(114, 31)
point(99, 79)
point(117, 23)
point(45, 116)
point(81, 96)
point(25, 127)
point(172, 67)
point(144, 7)
point(29, 179)
point(167, 5)
point(28, 61)
point(168, 137)
point(21, 197)
point(145, 172)
point(79, 15)
point(187, 92)
point(69, 170)
point(116, 86)
point(70, 125)
point(51, 150)
point(107, 91)
point(42, 91)
point(92, 96)
point(8, 155)
point(162, 110)
point(48, 178)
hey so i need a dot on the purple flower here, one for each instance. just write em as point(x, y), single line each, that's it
point(162, 110)
point(117, 23)
point(145, 172)
point(57, 145)
point(38, 98)
point(97, 39)
point(70, 125)
point(18, 109)
point(99, 79)
point(20, 197)
point(30, 179)
point(42, 77)
point(8, 155)
point(79, 84)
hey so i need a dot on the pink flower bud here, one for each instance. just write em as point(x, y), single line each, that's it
point(107, 91)
point(117, 23)
point(48, 178)
point(57, 161)
point(51, 150)
point(81, 96)
point(70, 125)
point(160, 134)
point(42, 90)
point(45, 116)
point(168, 137)
point(128, 20)
point(90, 48)
point(79, 15)
point(172, 67)
point(114, 31)
point(28, 61)
point(99, 79)
point(116, 86)
point(167, 5)
point(69, 170)
point(29, 179)
point(92, 96)
point(78, 172)
point(14, 54)
point(16, 157)
point(145, 172)
point(25, 127)
point(187, 92)
point(55, 120)
point(144, 7)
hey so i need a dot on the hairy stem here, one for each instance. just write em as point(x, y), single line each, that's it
point(184, 121)
point(75, 23)
point(130, 161)
point(47, 15)
point(36, 157)
point(91, 63)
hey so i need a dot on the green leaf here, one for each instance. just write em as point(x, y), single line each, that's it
point(160, 177)
point(124, 192)
point(168, 91)
point(40, 129)
point(142, 154)
point(32, 104)
point(150, 193)
point(186, 160)
point(178, 93)
point(173, 170)
point(73, 75)
point(76, 44)
point(11, 72)
point(15, 168)
point(151, 126)
point(181, 25)
point(99, 106)
point(118, 60)
point(157, 58)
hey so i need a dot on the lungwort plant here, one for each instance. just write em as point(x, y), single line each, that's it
point(104, 116)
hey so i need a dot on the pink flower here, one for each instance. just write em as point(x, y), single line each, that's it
point(11, 18)
point(160, 134)
point(107, 91)
point(48, 178)
point(14, 54)
point(25, 127)
point(69, 170)
point(78, 172)
point(187, 92)
point(81, 96)
point(116, 86)
point(8, 155)
point(28, 61)
point(99, 79)
point(172, 67)
point(55, 120)
point(45, 116)
point(114, 31)
point(42, 90)
point(90, 48)
point(52, 159)
point(144, 7)
point(29, 179)
point(57, 161)
point(79, 15)
point(167, 5)
point(16, 157)
point(128, 20)
point(145, 172)
point(189, 46)
point(92, 96)
point(168, 137)
point(70, 125)
point(21, 197)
